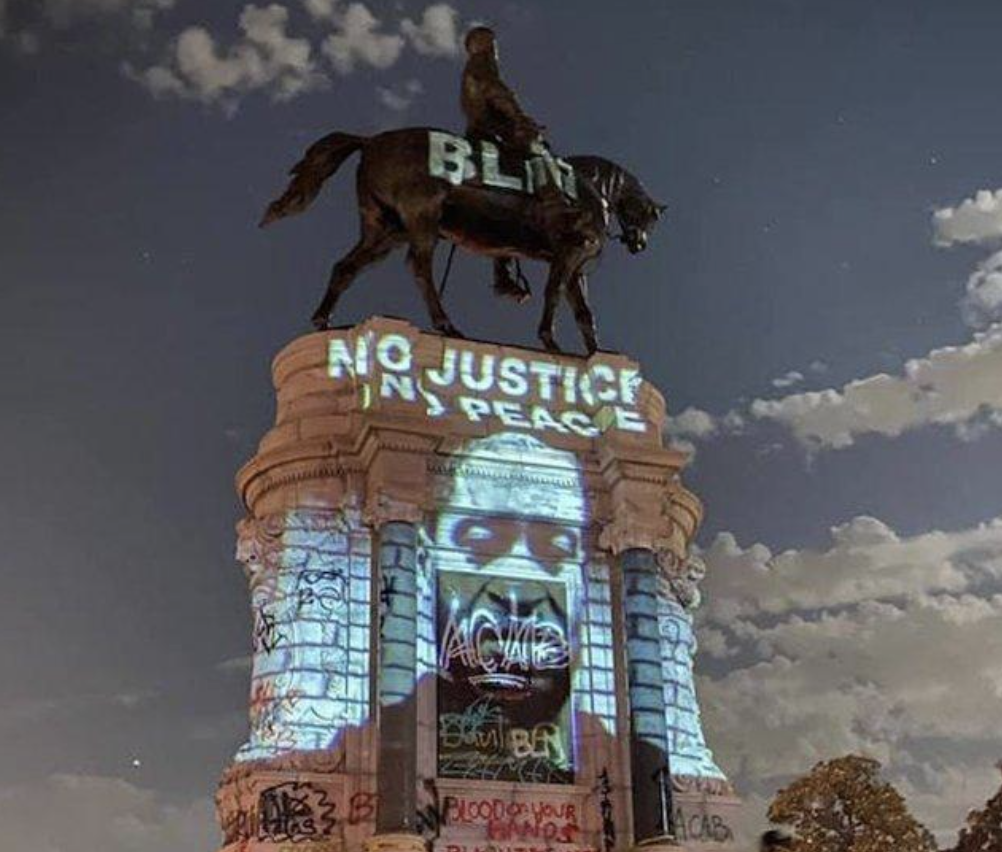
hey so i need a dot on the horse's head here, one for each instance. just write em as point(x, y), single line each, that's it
point(624, 196)
point(637, 213)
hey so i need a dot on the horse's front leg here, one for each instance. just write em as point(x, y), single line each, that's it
point(420, 258)
point(422, 233)
point(577, 295)
point(554, 286)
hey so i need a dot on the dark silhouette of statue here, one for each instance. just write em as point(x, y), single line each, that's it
point(493, 112)
point(491, 108)
point(498, 192)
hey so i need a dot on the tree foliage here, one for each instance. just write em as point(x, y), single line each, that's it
point(983, 832)
point(842, 805)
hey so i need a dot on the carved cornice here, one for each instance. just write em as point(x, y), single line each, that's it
point(269, 471)
point(259, 544)
point(383, 508)
point(681, 578)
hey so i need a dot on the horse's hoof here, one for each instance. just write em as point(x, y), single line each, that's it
point(320, 322)
point(550, 345)
point(449, 330)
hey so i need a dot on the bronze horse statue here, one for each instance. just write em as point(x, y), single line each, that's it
point(401, 201)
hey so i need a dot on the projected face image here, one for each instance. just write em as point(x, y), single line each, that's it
point(504, 620)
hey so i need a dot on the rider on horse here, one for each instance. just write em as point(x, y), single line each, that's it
point(493, 112)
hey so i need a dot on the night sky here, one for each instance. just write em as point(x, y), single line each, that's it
point(818, 307)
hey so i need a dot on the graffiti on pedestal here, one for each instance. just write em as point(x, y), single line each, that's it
point(320, 590)
point(504, 679)
point(539, 821)
point(604, 790)
point(430, 816)
point(294, 812)
point(702, 826)
point(268, 634)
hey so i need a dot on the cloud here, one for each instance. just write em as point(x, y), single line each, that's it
point(865, 561)
point(879, 643)
point(339, 38)
point(437, 34)
point(321, 10)
point(975, 221)
point(788, 379)
point(682, 431)
point(692, 423)
point(83, 813)
point(982, 304)
point(265, 57)
point(358, 41)
point(399, 98)
point(950, 386)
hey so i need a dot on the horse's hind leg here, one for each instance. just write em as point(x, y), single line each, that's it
point(377, 241)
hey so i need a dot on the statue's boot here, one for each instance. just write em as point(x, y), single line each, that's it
point(509, 281)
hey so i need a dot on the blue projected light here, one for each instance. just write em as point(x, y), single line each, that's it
point(311, 600)
point(524, 622)
point(514, 620)
point(690, 755)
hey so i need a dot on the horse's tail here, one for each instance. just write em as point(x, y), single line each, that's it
point(321, 160)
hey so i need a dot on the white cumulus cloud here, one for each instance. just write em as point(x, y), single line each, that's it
point(976, 220)
point(952, 385)
point(265, 57)
point(359, 40)
point(865, 561)
point(878, 643)
point(982, 303)
point(683, 430)
point(340, 38)
point(437, 33)
point(788, 379)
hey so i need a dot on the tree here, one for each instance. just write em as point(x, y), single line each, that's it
point(983, 832)
point(843, 806)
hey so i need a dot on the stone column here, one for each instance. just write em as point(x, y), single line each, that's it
point(397, 493)
point(397, 679)
point(651, 520)
point(651, 794)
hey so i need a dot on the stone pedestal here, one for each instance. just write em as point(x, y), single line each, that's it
point(472, 607)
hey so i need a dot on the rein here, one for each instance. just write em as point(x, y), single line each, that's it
point(448, 269)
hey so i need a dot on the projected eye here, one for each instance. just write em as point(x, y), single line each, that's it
point(483, 534)
point(553, 542)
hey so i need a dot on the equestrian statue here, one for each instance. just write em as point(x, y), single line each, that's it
point(497, 191)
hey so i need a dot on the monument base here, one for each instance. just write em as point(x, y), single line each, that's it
point(449, 545)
